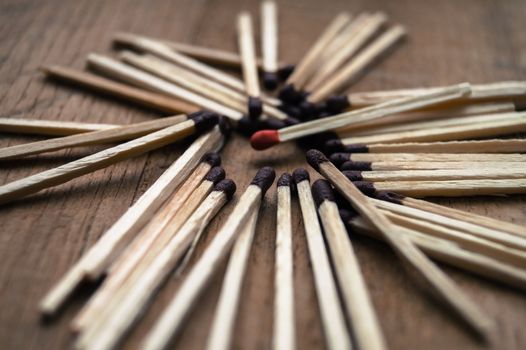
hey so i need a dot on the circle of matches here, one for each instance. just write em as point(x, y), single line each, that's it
point(382, 152)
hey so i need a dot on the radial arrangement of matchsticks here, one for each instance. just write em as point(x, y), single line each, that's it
point(378, 152)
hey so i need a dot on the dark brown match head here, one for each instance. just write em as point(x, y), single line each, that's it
point(366, 187)
point(224, 126)
point(356, 148)
point(285, 72)
point(273, 124)
point(270, 81)
point(227, 186)
point(291, 121)
point(212, 158)
point(322, 191)
point(362, 166)
point(285, 180)
point(255, 107)
point(247, 126)
point(300, 175)
point(308, 110)
point(353, 175)
point(339, 158)
point(337, 104)
point(289, 95)
point(290, 110)
point(332, 146)
point(390, 197)
point(205, 121)
point(215, 174)
point(264, 178)
point(315, 158)
point(347, 215)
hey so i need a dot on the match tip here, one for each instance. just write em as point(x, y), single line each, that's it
point(212, 158)
point(264, 139)
point(347, 215)
point(362, 166)
point(255, 107)
point(247, 126)
point(366, 187)
point(215, 174)
point(353, 175)
point(291, 121)
point(322, 191)
point(315, 158)
point(285, 72)
point(337, 104)
point(264, 178)
point(332, 146)
point(356, 148)
point(270, 80)
point(205, 121)
point(290, 95)
point(227, 186)
point(224, 126)
point(300, 175)
point(285, 180)
point(389, 197)
point(339, 158)
point(273, 124)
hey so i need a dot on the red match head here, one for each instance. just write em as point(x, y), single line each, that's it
point(264, 139)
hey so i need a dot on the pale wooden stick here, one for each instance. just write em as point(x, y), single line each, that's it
point(435, 279)
point(172, 318)
point(222, 328)
point(476, 166)
point(136, 77)
point(130, 305)
point(269, 36)
point(106, 86)
point(99, 255)
point(342, 39)
point(49, 127)
point(283, 331)
point(308, 63)
point(332, 316)
point(362, 33)
point(354, 290)
point(436, 175)
point(111, 135)
point(431, 157)
point(245, 35)
point(355, 67)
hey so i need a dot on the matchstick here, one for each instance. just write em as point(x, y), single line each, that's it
point(222, 328)
point(137, 77)
point(266, 138)
point(172, 318)
point(283, 331)
point(358, 304)
point(447, 252)
point(122, 133)
point(245, 36)
point(64, 173)
point(340, 157)
point(415, 260)
point(363, 32)
point(352, 70)
point(269, 43)
point(333, 320)
point(450, 188)
point(113, 88)
point(130, 306)
point(49, 127)
point(96, 260)
point(472, 146)
point(475, 166)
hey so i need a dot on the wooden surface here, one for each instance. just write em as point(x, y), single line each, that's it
point(40, 237)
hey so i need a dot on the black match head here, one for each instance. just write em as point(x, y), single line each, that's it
point(264, 178)
point(289, 95)
point(337, 104)
point(353, 175)
point(291, 121)
point(227, 186)
point(332, 146)
point(347, 215)
point(270, 81)
point(362, 166)
point(273, 124)
point(224, 126)
point(339, 158)
point(285, 72)
point(390, 197)
point(366, 187)
point(308, 110)
point(212, 158)
point(285, 180)
point(255, 107)
point(196, 114)
point(315, 158)
point(215, 174)
point(356, 148)
point(322, 191)
point(300, 175)
point(247, 126)
point(205, 121)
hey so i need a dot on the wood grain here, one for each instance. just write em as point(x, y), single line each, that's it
point(45, 234)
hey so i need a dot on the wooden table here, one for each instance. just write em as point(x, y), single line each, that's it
point(40, 237)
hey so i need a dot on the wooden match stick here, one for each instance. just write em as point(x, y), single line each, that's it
point(151, 238)
point(49, 127)
point(340, 157)
point(474, 146)
point(194, 284)
point(111, 135)
point(266, 138)
point(283, 331)
point(113, 88)
point(96, 260)
point(133, 303)
point(222, 328)
point(448, 252)
point(354, 290)
point(475, 166)
point(332, 316)
point(435, 279)
point(245, 36)
point(364, 30)
point(352, 70)
point(64, 173)
point(137, 77)
point(269, 43)
point(342, 39)
point(450, 188)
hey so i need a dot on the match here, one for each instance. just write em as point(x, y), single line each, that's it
point(49, 127)
point(269, 44)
